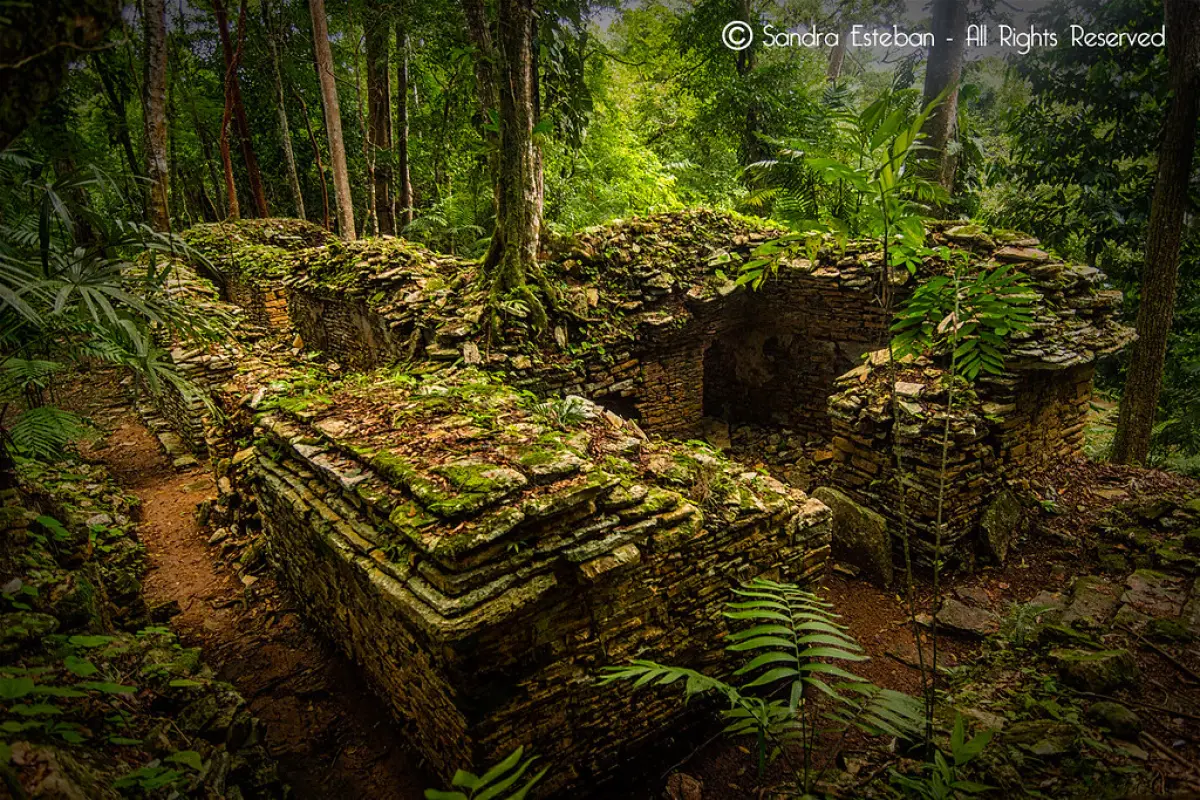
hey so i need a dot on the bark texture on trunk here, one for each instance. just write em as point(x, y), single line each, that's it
point(837, 56)
point(234, 92)
point(1164, 236)
point(519, 220)
point(487, 89)
point(116, 90)
point(750, 149)
point(333, 120)
point(233, 206)
point(942, 74)
point(154, 19)
point(379, 114)
point(404, 193)
point(285, 134)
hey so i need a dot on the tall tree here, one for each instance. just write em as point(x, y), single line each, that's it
point(512, 263)
point(943, 73)
point(379, 113)
point(487, 89)
point(154, 22)
point(233, 207)
point(404, 191)
point(750, 149)
point(238, 109)
point(333, 119)
point(1160, 272)
point(285, 135)
point(115, 85)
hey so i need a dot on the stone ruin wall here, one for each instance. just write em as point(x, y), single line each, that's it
point(263, 302)
point(480, 648)
point(476, 671)
point(706, 349)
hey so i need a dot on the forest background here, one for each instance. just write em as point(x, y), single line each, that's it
point(371, 117)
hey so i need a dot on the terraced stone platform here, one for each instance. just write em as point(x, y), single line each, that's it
point(483, 554)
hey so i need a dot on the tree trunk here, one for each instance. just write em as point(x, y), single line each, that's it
point(233, 88)
point(518, 225)
point(487, 89)
point(285, 134)
point(333, 120)
point(316, 148)
point(1160, 273)
point(116, 94)
point(154, 19)
point(379, 114)
point(837, 55)
point(750, 149)
point(404, 194)
point(942, 75)
point(234, 210)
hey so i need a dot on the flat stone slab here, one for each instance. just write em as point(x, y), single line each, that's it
point(1093, 601)
point(958, 617)
point(1155, 594)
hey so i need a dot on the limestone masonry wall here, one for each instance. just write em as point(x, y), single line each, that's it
point(483, 589)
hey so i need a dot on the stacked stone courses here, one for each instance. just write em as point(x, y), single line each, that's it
point(485, 522)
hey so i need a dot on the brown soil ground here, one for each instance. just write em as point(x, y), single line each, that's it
point(330, 734)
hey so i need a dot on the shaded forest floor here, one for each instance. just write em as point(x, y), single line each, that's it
point(330, 735)
point(333, 738)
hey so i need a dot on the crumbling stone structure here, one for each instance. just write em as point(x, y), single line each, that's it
point(482, 550)
point(483, 555)
point(248, 260)
point(653, 324)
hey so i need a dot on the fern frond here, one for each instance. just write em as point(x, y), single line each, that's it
point(45, 432)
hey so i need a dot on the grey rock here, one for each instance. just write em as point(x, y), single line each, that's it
point(1123, 723)
point(860, 536)
point(958, 617)
point(1096, 670)
point(1154, 594)
point(1042, 737)
point(1000, 524)
point(1093, 601)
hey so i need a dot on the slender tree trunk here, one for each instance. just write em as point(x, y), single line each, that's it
point(1160, 273)
point(372, 222)
point(379, 114)
point(285, 134)
point(333, 120)
point(518, 226)
point(404, 197)
point(233, 87)
point(116, 94)
point(942, 75)
point(154, 19)
point(750, 149)
point(487, 88)
point(316, 148)
point(233, 57)
point(837, 55)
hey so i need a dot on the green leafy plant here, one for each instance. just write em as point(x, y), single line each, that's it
point(77, 288)
point(793, 644)
point(971, 315)
point(496, 784)
point(940, 778)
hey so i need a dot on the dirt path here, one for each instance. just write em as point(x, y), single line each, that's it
point(331, 736)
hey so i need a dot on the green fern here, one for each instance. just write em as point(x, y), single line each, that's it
point(970, 315)
point(795, 645)
point(493, 784)
point(45, 432)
